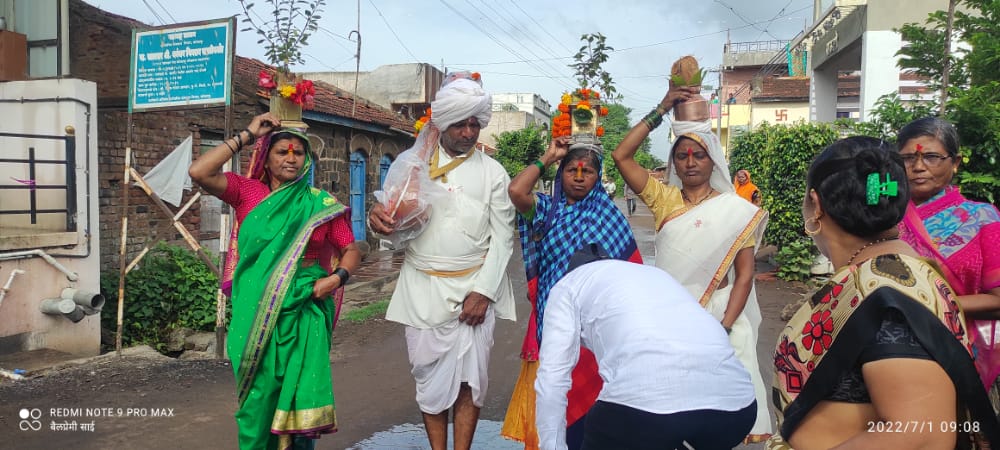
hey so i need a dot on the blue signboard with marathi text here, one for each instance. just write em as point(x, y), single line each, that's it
point(181, 65)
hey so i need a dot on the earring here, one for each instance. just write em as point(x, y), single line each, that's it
point(819, 227)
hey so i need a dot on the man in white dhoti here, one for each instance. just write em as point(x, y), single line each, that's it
point(453, 283)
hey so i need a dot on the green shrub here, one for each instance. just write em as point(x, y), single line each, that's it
point(171, 288)
point(795, 260)
point(778, 157)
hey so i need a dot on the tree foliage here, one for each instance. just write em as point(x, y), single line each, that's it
point(517, 149)
point(287, 29)
point(890, 114)
point(974, 86)
point(778, 157)
point(616, 126)
point(588, 68)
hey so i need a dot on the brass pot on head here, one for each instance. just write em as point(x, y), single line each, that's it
point(694, 109)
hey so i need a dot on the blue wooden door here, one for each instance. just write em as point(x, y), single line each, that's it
point(383, 166)
point(358, 195)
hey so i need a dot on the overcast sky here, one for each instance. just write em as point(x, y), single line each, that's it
point(517, 45)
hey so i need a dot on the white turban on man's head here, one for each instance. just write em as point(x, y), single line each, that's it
point(461, 96)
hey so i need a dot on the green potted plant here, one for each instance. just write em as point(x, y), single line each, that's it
point(283, 35)
point(685, 72)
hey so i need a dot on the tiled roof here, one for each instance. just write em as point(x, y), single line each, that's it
point(329, 98)
point(783, 88)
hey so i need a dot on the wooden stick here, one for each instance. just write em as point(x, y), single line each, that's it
point(136, 260)
point(180, 227)
point(121, 250)
point(187, 205)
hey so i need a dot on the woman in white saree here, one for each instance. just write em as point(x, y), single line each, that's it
point(706, 234)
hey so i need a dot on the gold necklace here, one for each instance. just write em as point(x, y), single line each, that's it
point(685, 196)
point(876, 241)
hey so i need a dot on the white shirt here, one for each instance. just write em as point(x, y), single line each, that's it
point(474, 226)
point(658, 350)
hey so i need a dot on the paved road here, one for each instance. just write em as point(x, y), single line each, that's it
point(189, 404)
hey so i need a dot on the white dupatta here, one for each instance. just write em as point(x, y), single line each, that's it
point(697, 245)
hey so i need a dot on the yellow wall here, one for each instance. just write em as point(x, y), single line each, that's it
point(732, 116)
point(785, 113)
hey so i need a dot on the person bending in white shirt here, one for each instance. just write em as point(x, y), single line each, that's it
point(670, 375)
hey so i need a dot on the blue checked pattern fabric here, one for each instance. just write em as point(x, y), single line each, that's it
point(557, 231)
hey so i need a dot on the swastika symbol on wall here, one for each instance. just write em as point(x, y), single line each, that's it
point(780, 115)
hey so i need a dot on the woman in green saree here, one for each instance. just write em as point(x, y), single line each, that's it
point(284, 294)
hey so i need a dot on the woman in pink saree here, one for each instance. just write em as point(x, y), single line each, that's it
point(959, 234)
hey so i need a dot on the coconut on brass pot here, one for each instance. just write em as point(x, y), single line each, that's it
point(685, 72)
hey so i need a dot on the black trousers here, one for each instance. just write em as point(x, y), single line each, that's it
point(613, 426)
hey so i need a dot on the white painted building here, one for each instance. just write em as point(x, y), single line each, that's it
point(407, 89)
point(533, 104)
point(49, 232)
point(49, 220)
point(857, 35)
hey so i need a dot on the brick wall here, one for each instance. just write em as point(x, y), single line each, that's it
point(100, 43)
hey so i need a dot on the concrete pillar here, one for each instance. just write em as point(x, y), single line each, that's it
point(879, 72)
point(823, 95)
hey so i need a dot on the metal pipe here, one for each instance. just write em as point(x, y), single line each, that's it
point(62, 307)
point(6, 286)
point(72, 276)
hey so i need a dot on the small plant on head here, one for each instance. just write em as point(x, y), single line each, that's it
point(685, 72)
point(284, 34)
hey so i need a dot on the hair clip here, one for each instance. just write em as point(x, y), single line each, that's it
point(875, 189)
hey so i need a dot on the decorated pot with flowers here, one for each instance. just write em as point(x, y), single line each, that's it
point(289, 95)
point(579, 114)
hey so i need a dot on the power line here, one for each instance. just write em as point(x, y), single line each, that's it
point(654, 44)
point(745, 20)
point(165, 10)
point(554, 39)
point(494, 38)
point(324, 30)
point(780, 11)
point(386, 21)
point(532, 37)
point(162, 22)
point(320, 61)
point(513, 38)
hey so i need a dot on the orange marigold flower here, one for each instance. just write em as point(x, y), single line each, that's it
point(563, 108)
point(604, 111)
point(476, 76)
point(597, 94)
point(599, 131)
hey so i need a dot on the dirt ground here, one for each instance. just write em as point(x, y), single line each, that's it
point(151, 402)
point(195, 399)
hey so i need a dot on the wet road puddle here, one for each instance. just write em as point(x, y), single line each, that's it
point(411, 437)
